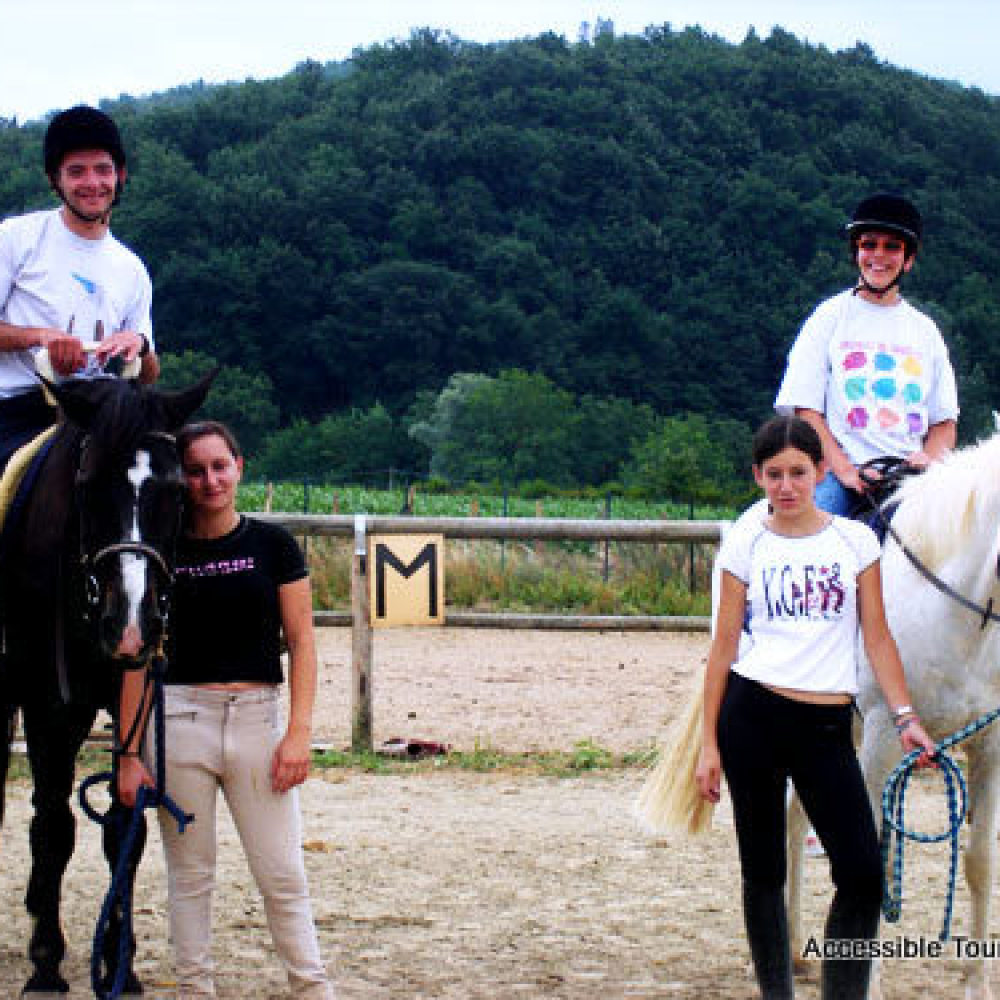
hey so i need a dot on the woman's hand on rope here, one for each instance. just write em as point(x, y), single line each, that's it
point(290, 764)
point(913, 736)
point(709, 773)
point(132, 775)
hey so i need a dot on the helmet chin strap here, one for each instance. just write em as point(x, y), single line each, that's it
point(99, 217)
point(102, 218)
point(879, 293)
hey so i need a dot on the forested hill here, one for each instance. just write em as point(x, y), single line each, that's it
point(645, 217)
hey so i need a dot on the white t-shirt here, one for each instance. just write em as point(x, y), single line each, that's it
point(51, 277)
point(879, 374)
point(801, 624)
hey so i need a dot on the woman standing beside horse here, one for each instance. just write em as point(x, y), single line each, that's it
point(799, 583)
point(239, 585)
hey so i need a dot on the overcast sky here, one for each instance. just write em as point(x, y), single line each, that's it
point(57, 53)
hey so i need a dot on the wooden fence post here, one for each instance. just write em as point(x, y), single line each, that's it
point(361, 644)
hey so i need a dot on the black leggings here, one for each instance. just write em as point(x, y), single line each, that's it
point(764, 740)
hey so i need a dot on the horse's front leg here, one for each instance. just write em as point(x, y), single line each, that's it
point(8, 716)
point(54, 736)
point(981, 853)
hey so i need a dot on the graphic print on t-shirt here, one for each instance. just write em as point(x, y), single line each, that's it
point(90, 319)
point(218, 567)
point(803, 593)
point(884, 387)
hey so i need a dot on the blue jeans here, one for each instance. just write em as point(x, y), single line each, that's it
point(832, 496)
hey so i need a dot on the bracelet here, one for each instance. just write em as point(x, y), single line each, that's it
point(898, 713)
point(127, 753)
point(901, 726)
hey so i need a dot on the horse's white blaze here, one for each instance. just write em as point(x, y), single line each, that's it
point(133, 565)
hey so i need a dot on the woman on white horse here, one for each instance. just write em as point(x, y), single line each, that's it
point(869, 371)
point(779, 706)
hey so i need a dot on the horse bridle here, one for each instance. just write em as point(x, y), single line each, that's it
point(893, 470)
point(91, 561)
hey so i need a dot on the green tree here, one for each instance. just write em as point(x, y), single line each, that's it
point(694, 458)
point(506, 429)
point(238, 398)
point(359, 446)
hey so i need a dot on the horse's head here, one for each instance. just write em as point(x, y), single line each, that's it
point(129, 493)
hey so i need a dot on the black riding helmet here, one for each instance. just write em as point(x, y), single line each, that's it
point(77, 129)
point(81, 128)
point(887, 213)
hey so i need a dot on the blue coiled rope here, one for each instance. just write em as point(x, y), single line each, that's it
point(893, 828)
point(120, 891)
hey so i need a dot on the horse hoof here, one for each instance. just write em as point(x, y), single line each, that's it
point(45, 986)
point(131, 988)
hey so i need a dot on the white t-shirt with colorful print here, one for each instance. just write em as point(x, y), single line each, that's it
point(879, 374)
point(801, 625)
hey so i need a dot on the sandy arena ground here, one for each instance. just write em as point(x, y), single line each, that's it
point(459, 885)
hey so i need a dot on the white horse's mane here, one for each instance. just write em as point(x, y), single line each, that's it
point(941, 510)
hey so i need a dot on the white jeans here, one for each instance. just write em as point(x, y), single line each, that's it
point(225, 739)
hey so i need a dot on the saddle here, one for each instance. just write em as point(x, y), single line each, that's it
point(20, 471)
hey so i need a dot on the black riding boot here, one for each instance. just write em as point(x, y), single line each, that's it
point(855, 918)
point(767, 934)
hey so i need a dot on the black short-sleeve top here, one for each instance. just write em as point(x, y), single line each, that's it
point(225, 621)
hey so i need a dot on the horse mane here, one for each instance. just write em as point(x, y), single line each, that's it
point(123, 412)
point(941, 509)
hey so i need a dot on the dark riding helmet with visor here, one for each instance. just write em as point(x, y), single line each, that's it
point(82, 128)
point(891, 214)
point(887, 213)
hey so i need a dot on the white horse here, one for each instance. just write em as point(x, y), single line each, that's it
point(949, 518)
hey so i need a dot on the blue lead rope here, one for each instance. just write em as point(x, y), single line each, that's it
point(120, 892)
point(893, 827)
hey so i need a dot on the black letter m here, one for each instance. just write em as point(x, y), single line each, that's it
point(383, 555)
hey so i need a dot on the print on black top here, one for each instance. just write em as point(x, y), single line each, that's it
point(226, 620)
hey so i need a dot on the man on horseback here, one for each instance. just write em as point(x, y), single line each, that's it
point(869, 371)
point(66, 280)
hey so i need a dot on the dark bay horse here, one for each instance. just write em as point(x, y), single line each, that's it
point(84, 585)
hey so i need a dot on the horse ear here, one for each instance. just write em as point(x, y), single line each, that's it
point(78, 399)
point(178, 406)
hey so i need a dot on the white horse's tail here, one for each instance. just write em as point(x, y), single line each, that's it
point(669, 801)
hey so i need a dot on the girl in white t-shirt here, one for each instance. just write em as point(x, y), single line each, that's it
point(796, 585)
